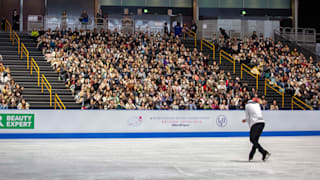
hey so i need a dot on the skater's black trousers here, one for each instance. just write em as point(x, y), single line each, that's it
point(255, 133)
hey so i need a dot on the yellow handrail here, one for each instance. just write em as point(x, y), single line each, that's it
point(34, 65)
point(244, 68)
point(296, 99)
point(45, 82)
point(8, 27)
point(17, 38)
point(267, 84)
point(209, 45)
point(57, 101)
point(228, 57)
point(25, 51)
point(190, 33)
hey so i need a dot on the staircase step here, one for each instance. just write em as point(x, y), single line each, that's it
point(10, 52)
point(24, 67)
point(15, 48)
point(7, 39)
point(27, 72)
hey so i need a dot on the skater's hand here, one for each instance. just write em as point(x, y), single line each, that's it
point(243, 120)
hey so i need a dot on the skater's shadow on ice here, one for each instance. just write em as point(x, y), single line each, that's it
point(245, 161)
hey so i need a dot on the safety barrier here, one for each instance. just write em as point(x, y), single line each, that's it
point(8, 27)
point(208, 44)
point(267, 84)
point(15, 37)
point(191, 34)
point(24, 51)
point(229, 58)
point(294, 98)
point(57, 101)
point(45, 82)
point(247, 69)
point(34, 65)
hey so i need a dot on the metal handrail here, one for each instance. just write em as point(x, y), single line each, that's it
point(244, 68)
point(34, 65)
point(57, 101)
point(192, 34)
point(25, 51)
point(228, 57)
point(17, 38)
point(8, 27)
point(45, 82)
point(296, 99)
point(267, 84)
point(209, 45)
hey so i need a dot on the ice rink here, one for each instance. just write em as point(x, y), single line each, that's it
point(153, 159)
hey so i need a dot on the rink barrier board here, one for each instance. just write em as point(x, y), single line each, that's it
point(150, 135)
point(150, 124)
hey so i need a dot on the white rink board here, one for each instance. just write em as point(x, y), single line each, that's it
point(161, 121)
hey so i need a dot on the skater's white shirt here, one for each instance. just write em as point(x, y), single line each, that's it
point(253, 113)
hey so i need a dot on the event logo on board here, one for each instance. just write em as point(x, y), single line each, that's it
point(221, 121)
point(135, 121)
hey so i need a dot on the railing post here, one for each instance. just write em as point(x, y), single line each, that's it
point(55, 101)
point(31, 66)
point(213, 55)
point(265, 87)
point(38, 77)
point(257, 82)
point(22, 50)
point(27, 58)
point(50, 97)
point(41, 84)
point(241, 69)
point(19, 45)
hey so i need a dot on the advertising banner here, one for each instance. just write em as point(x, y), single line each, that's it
point(113, 121)
point(16, 121)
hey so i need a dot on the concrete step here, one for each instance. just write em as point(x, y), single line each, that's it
point(37, 91)
point(9, 43)
point(24, 67)
point(24, 62)
point(15, 48)
point(46, 105)
point(34, 97)
point(11, 52)
point(27, 72)
point(7, 39)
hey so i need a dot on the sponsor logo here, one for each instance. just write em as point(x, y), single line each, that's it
point(222, 121)
point(135, 121)
point(16, 121)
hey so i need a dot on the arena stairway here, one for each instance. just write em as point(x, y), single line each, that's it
point(20, 73)
point(228, 67)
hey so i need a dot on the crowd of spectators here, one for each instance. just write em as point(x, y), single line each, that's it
point(117, 70)
point(10, 92)
point(287, 68)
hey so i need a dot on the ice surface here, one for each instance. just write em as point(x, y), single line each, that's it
point(181, 158)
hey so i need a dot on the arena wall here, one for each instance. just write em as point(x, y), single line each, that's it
point(138, 124)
